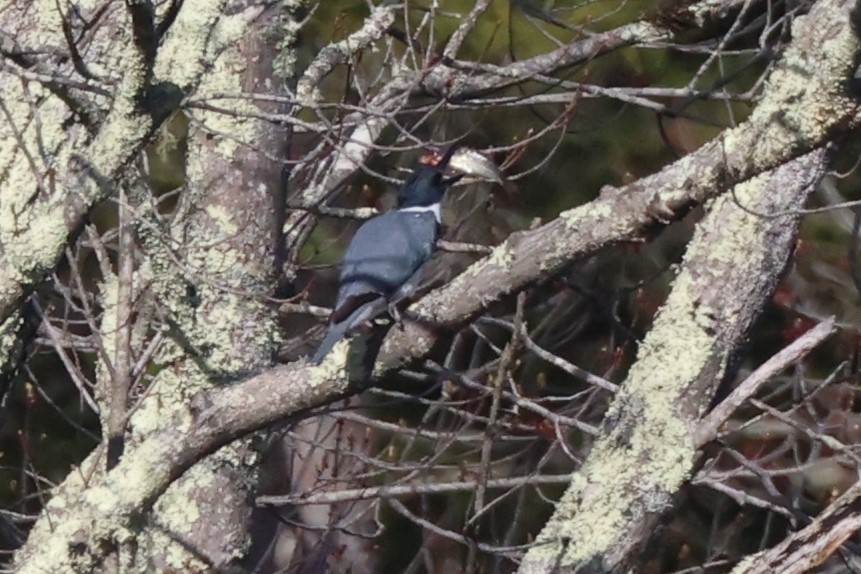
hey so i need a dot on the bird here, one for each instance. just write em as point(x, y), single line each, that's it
point(382, 264)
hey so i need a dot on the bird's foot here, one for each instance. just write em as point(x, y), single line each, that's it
point(396, 316)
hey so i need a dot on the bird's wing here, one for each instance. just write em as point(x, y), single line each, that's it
point(385, 253)
point(383, 256)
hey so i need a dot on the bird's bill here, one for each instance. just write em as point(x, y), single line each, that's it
point(467, 161)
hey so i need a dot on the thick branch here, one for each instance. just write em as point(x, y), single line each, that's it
point(810, 547)
point(805, 104)
point(647, 451)
point(37, 220)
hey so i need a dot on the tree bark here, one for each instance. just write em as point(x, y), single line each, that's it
point(645, 451)
point(208, 270)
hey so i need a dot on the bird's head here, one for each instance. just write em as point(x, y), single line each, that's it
point(427, 184)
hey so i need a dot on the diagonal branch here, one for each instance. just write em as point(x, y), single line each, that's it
point(710, 425)
point(804, 105)
point(29, 252)
point(646, 450)
point(811, 546)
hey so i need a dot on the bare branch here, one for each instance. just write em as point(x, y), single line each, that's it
point(810, 547)
point(710, 425)
point(409, 489)
point(710, 309)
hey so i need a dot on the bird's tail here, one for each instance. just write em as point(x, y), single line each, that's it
point(337, 331)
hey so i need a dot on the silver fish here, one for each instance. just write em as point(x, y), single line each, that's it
point(472, 162)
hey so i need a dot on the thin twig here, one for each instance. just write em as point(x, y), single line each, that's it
point(388, 491)
point(710, 425)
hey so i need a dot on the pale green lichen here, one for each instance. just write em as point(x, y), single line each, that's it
point(102, 498)
point(745, 564)
point(803, 96)
point(589, 213)
point(183, 516)
point(223, 218)
point(172, 386)
point(36, 152)
point(594, 511)
point(308, 95)
point(232, 333)
point(125, 126)
point(109, 292)
point(333, 366)
point(284, 65)
point(237, 337)
point(203, 33)
point(31, 253)
point(739, 231)
point(703, 10)
point(189, 42)
point(178, 511)
point(644, 32)
point(31, 220)
point(50, 17)
point(108, 338)
point(501, 257)
point(599, 507)
point(9, 335)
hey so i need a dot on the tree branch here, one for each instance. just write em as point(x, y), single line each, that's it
point(646, 450)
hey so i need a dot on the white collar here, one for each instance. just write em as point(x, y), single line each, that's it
point(422, 208)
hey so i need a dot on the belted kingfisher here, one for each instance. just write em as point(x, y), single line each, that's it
point(382, 264)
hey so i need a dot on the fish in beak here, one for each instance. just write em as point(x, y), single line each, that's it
point(470, 162)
